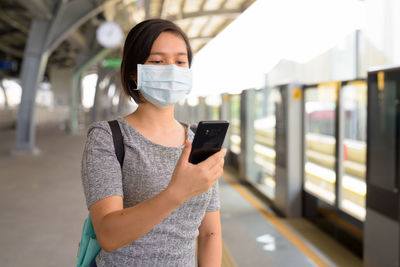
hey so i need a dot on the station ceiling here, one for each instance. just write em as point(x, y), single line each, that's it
point(202, 20)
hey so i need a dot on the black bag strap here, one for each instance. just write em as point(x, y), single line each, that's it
point(118, 141)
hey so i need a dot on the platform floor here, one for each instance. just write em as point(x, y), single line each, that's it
point(43, 207)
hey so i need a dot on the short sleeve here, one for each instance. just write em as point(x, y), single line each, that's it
point(214, 204)
point(101, 171)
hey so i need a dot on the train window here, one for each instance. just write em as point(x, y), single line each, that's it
point(352, 185)
point(264, 147)
point(235, 139)
point(320, 142)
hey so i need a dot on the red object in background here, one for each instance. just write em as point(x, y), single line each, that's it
point(345, 152)
point(322, 115)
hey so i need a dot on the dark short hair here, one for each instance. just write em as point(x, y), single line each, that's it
point(138, 46)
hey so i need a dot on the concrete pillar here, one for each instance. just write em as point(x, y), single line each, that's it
point(87, 62)
point(93, 113)
point(44, 37)
point(60, 79)
point(35, 60)
point(288, 144)
point(246, 156)
point(225, 114)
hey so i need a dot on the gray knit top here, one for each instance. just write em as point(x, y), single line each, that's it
point(146, 171)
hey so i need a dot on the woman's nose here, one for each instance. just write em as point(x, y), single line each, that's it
point(169, 62)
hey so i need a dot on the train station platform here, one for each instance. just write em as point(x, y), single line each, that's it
point(312, 171)
point(43, 208)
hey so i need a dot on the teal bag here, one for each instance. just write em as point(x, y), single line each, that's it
point(89, 247)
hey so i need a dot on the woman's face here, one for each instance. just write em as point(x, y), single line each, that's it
point(169, 48)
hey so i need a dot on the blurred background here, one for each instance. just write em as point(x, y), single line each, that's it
point(311, 89)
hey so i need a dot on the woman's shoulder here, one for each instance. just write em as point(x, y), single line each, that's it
point(99, 127)
point(102, 130)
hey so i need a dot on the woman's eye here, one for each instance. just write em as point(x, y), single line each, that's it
point(155, 61)
point(181, 62)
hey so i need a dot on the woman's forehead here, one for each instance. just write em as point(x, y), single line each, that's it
point(169, 43)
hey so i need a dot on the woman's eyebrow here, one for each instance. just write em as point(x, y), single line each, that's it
point(162, 54)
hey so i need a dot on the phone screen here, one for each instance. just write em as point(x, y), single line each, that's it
point(208, 140)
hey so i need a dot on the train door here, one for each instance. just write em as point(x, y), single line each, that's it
point(382, 225)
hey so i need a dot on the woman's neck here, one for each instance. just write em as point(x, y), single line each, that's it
point(153, 117)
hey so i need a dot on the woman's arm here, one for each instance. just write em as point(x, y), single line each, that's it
point(209, 252)
point(116, 227)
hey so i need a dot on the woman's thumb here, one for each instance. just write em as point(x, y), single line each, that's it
point(186, 151)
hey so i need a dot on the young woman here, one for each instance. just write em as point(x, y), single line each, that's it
point(150, 212)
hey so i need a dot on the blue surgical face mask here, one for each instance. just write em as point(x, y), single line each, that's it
point(163, 85)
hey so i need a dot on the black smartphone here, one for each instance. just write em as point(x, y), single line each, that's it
point(207, 140)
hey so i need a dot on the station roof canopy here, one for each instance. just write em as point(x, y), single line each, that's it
point(202, 20)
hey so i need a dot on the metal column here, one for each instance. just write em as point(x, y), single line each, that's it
point(44, 36)
point(225, 114)
point(288, 143)
point(75, 87)
point(101, 74)
point(35, 60)
point(246, 157)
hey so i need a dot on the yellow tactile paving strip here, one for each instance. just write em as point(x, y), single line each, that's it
point(227, 260)
point(284, 230)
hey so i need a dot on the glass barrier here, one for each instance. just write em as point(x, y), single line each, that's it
point(215, 113)
point(264, 147)
point(353, 186)
point(214, 104)
point(235, 139)
point(320, 150)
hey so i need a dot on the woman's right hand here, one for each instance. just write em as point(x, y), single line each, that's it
point(189, 180)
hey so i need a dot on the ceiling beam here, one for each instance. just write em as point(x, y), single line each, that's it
point(202, 38)
point(13, 33)
point(161, 8)
point(222, 4)
point(69, 17)
point(233, 13)
point(181, 8)
point(11, 51)
point(37, 8)
point(147, 8)
point(78, 39)
point(202, 5)
point(222, 26)
point(246, 4)
point(204, 26)
point(10, 20)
